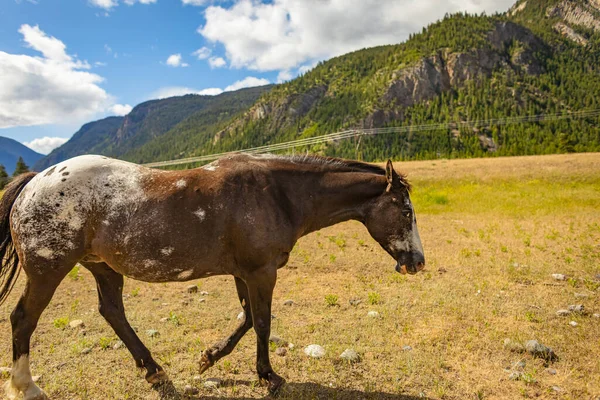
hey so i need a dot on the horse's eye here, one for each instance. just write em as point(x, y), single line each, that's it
point(407, 214)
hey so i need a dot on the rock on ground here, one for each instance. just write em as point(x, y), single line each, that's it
point(539, 350)
point(281, 351)
point(577, 308)
point(288, 303)
point(563, 313)
point(189, 390)
point(406, 348)
point(573, 323)
point(559, 277)
point(240, 316)
point(373, 314)
point(76, 323)
point(314, 351)
point(118, 345)
point(192, 289)
point(350, 355)
point(152, 333)
point(212, 383)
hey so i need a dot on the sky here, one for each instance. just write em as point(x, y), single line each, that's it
point(67, 62)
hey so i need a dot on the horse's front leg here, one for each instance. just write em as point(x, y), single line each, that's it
point(226, 346)
point(260, 291)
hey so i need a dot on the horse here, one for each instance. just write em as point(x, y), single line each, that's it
point(240, 215)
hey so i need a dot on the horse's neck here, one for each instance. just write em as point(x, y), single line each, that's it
point(336, 197)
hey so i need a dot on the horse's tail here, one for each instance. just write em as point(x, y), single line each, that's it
point(9, 260)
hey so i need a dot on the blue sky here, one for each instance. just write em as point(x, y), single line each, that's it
point(67, 62)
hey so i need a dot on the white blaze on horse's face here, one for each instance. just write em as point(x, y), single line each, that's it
point(407, 247)
point(393, 224)
point(411, 240)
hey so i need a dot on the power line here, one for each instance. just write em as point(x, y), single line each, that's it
point(379, 131)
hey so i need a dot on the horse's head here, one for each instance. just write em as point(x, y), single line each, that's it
point(391, 221)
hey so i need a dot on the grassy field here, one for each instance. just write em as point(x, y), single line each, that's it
point(494, 230)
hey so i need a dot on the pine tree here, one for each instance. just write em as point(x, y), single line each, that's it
point(3, 177)
point(21, 167)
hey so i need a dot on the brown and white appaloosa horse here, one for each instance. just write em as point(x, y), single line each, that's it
point(240, 216)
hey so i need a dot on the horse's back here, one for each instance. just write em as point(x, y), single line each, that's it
point(52, 212)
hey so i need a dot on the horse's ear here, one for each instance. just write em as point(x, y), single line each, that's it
point(389, 174)
point(389, 171)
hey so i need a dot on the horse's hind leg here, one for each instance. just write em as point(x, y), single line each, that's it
point(36, 296)
point(226, 346)
point(110, 296)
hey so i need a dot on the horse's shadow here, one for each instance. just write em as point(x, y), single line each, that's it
point(290, 391)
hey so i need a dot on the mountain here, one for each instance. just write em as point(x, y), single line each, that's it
point(128, 137)
point(540, 57)
point(194, 131)
point(11, 150)
point(90, 139)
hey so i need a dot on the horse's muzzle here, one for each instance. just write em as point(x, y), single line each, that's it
point(414, 265)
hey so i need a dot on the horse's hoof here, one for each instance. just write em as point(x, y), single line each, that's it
point(275, 384)
point(206, 361)
point(157, 378)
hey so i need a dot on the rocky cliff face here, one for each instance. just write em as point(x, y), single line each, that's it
point(571, 13)
point(578, 14)
point(280, 113)
point(570, 33)
point(511, 46)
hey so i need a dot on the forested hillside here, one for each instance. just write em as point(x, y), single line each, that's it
point(137, 136)
point(90, 139)
point(11, 150)
point(463, 68)
point(541, 57)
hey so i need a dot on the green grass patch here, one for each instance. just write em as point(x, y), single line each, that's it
point(515, 198)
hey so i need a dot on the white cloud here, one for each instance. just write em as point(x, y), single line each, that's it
point(202, 53)
point(216, 62)
point(284, 76)
point(246, 83)
point(121, 109)
point(132, 2)
point(284, 34)
point(110, 4)
point(171, 91)
point(49, 46)
point(305, 68)
point(46, 144)
point(193, 2)
point(105, 4)
point(175, 60)
point(55, 88)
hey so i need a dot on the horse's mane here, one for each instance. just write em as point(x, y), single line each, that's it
point(337, 164)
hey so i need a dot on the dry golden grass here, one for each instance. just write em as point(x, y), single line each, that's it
point(494, 231)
